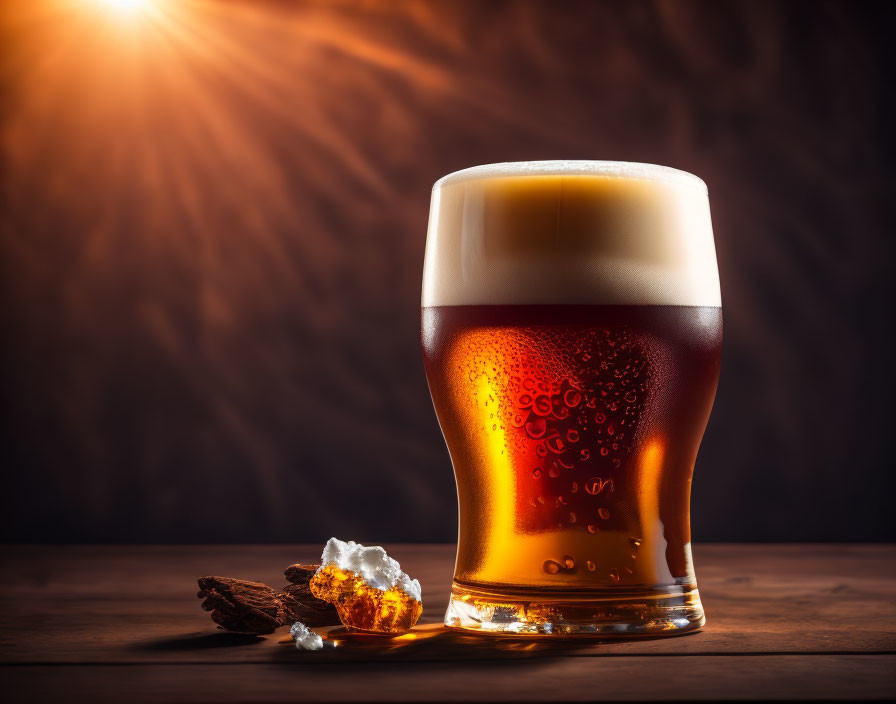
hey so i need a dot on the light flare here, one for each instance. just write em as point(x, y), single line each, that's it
point(503, 491)
point(650, 465)
point(121, 9)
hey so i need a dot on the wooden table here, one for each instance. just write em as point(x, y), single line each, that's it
point(99, 624)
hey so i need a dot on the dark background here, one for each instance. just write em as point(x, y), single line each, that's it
point(213, 220)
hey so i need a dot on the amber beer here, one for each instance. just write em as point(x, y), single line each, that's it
point(572, 335)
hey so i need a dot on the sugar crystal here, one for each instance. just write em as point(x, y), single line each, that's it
point(305, 638)
point(367, 587)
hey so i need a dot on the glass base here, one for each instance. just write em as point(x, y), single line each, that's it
point(601, 612)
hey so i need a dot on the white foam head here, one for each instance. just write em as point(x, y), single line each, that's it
point(576, 232)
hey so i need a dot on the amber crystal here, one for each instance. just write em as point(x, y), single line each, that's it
point(363, 607)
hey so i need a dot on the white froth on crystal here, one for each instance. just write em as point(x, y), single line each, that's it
point(305, 638)
point(372, 563)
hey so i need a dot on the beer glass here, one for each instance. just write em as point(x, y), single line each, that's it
point(572, 333)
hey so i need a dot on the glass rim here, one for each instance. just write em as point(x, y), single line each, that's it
point(633, 170)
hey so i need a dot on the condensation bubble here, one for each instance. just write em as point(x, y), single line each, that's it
point(556, 445)
point(542, 405)
point(594, 485)
point(536, 428)
point(572, 398)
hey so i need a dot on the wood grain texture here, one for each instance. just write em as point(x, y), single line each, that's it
point(784, 622)
point(794, 677)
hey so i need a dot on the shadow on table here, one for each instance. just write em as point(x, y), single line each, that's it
point(203, 642)
point(425, 643)
point(435, 643)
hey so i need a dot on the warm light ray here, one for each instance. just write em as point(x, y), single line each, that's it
point(200, 154)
